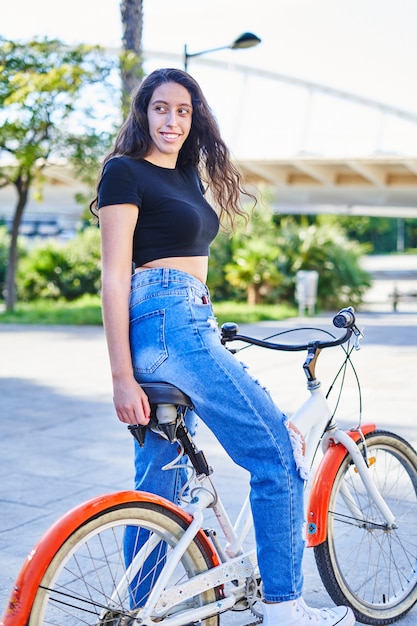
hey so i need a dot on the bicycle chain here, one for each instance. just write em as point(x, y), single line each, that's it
point(253, 595)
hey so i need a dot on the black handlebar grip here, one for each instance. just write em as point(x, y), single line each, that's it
point(345, 318)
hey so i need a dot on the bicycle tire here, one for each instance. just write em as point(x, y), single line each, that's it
point(363, 565)
point(81, 578)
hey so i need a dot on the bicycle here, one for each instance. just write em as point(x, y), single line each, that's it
point(361, 505)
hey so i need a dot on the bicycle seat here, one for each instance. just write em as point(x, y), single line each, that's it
point(164, 393)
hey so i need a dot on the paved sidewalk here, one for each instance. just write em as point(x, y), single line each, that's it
point(61, 442)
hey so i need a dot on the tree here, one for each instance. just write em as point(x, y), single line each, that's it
point(254, 252)
point(131, 12)
point(44, 118)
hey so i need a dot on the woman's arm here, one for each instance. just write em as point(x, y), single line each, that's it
point(117, 225)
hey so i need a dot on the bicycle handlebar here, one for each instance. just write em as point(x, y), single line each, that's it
point(345, 318)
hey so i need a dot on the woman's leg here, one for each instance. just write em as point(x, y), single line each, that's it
point(175, 339)
point(150, 477)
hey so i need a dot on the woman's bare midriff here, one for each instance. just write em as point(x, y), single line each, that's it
point(197, 266)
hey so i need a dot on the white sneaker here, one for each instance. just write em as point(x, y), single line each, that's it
point(297, 613)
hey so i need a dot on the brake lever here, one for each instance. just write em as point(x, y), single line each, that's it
point(358, 336)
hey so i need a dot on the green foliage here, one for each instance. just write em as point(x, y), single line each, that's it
point(49, 114)
point(383, 234)
point(56, 270)
point(268, 258)
point(254, 251)
point(87, 311)
point(243, 313)
point(262, 260)
point(83, 311)
point(41, 88)
point(325, 248)
point(220, 256)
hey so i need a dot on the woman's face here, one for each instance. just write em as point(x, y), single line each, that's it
point(169, 118)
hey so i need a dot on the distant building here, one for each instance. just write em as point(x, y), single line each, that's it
point(56, 214)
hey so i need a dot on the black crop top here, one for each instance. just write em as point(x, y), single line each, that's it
point(174, 217)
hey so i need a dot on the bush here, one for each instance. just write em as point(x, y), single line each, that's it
point(323, 247)
point(57, 270)
point(261, 261)
point(220, 256)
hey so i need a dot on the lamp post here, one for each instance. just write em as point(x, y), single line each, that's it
point(247, 40)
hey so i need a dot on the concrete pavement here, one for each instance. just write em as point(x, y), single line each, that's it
point(61, 442)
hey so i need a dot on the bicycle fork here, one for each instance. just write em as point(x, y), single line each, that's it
point(341, 437)
point(319, 498)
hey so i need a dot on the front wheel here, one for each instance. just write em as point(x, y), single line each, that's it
point(85, 582)
point(362, 563)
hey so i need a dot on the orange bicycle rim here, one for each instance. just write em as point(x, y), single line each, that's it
point(27, 583)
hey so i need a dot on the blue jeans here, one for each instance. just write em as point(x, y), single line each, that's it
point(174, 338)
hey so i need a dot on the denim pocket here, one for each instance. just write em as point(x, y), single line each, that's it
point(147, 342)
point(199, 297)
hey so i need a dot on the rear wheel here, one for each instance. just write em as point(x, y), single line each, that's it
point(362, 563)
point(82, 584)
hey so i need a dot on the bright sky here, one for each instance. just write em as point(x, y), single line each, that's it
point(368, 47)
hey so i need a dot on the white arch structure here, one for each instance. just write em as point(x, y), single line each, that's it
point(379, 178)
point(303, 181)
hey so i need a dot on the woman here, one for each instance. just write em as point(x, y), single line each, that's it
point(160, 326)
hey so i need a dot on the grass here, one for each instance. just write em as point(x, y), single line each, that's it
point(243, 313)
point(87, 311)
point(83, 311)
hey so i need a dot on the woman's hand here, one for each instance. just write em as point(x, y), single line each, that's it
point(131, 402)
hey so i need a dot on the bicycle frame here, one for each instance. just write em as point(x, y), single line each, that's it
point(311, 418)
point(229, 562)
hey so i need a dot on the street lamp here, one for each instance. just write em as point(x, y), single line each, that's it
point(247, 40)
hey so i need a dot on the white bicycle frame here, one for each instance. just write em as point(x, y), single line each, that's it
point(311, 419)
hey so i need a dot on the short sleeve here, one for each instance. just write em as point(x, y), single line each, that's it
point(118, 183)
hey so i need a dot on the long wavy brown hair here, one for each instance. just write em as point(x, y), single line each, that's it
point(203, 149)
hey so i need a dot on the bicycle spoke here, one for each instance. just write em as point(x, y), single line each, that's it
point(372, 566)
point(88, 582)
